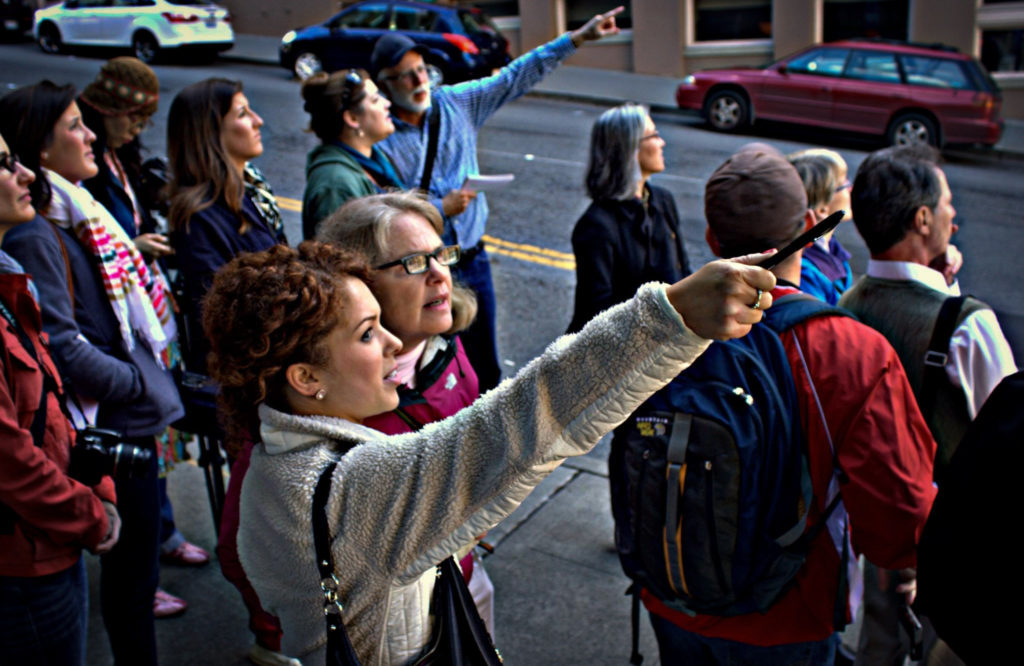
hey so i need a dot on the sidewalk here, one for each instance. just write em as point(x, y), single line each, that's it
point(601, 86)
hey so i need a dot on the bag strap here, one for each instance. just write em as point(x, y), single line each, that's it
point(339, 647)
point(937, 354)
point(433, 134)
point(635, 658)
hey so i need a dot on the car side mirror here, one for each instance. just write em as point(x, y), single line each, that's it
point(782, 69)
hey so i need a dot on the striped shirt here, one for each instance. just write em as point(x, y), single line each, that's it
point(464, 109)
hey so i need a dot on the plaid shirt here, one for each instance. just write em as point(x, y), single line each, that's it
point(464, 109)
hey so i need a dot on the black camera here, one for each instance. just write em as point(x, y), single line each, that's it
point(100, 453)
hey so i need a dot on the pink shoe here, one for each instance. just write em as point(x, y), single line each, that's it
point(167, 605)
point(187, 555)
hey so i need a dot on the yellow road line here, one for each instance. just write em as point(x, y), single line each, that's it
point(522, 251)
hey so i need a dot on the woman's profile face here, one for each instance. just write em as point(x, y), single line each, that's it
point(413, 307)
point(240, 130)
point(123, 129)
point(374, 117)
point(15, 199)
point(650, 154)
point(70, 152)
point(359, 377)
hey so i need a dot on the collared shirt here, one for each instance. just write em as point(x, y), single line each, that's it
point(464, 108)
point(979, 355)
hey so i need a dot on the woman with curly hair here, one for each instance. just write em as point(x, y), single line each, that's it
point(302, 359)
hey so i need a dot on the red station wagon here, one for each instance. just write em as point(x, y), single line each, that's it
point(907, 93)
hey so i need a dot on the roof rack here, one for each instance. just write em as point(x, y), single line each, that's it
point(937, 46)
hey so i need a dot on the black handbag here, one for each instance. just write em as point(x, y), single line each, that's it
point(460, 637)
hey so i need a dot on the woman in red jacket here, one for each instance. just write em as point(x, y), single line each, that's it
point(46, 517)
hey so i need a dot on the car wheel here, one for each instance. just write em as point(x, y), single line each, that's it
point(727, 110)
point(306, 65)
point(49, 38)
point(913, 129)
point(145, 46)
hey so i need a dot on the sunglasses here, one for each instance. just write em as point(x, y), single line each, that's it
point(354, 90)
point(845, 185)
point(9, 162)
point(415, 264)
point(414, 74)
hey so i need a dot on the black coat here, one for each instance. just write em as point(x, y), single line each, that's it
point(620, 246)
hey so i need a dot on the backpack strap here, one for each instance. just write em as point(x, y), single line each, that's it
point(339, 647)
point(433, 134)
point(937, 354)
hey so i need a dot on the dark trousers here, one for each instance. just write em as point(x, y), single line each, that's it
point(480, 339)
point(678, 646)
point(44, 620)
point(129, 572)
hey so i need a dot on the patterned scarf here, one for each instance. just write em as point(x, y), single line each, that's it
point(139, 298)
point(258, 190)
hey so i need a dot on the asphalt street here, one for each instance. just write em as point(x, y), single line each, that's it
point(559, 586)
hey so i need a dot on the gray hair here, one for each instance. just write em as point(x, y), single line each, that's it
point(614, 170)
point(364, 225)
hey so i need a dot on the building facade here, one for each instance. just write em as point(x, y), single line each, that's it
point(678, 37)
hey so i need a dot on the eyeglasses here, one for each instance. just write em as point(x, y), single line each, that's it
point(414, 74)
point(9, 162)
point(653, 135)
point(415, 264)
point(845, 185)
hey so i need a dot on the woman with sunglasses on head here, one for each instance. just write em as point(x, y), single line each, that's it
point(109, 322)
point(630, 233)
point(46, 517)
point(349, 116)
point(400, 236)
point(302, 359)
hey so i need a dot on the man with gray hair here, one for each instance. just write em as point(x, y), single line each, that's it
point(459, 112)
point(866, 440)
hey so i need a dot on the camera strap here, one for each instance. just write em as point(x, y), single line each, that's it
point(50, 385)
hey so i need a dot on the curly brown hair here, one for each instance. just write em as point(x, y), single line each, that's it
point(266, 311)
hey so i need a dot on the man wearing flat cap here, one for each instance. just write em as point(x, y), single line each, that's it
point(866, 440)
point(460, 110)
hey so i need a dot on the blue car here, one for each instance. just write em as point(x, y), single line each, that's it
point(465, 43)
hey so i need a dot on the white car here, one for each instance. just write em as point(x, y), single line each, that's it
point(147, 27)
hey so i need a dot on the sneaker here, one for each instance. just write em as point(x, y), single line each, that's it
point(262, 656)
point(186, 555)
point(167, 605)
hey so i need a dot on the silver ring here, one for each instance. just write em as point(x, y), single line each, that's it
point(757, 303)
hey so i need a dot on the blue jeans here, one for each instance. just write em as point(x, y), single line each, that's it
point(44, 620)
point(678, 646)
point(129, 572)
point(480, 339)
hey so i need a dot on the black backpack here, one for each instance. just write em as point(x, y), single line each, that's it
point(710, 486)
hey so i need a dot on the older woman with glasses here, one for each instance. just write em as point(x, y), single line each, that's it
point(349, 116)
point(400, 235)
point(302, 359)
point(630, 233)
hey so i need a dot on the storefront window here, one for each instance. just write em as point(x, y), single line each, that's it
point(863, 18)
point(732, 19)
point(1002, 50)
point(578, 12)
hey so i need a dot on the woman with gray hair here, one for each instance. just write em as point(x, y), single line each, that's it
point(630, 233)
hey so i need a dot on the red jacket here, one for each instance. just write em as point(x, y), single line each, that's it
point(56, 516)
point(884, 447)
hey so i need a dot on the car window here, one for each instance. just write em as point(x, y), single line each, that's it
point(476, 22)
point(414, 19)
point(873, 66)
point(935, 72)
point(135, 3)
point(823, 62)
point(92, 4)
point(181, 2)
point(366, 16)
